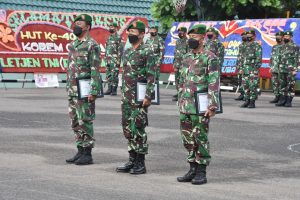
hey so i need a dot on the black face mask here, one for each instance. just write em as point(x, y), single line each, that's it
point(244, 39)
point(209, 36)
point(111, 30)
point(249, 39)
point(278, 40)
point(77, 30)
point(286, 40)
point(180, 35)
point(193, 44)
point(133, 38)
point(153, 34)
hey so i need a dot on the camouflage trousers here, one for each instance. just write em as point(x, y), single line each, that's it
point(134, 122)
point(287, 84)
point(157, 71)
point(275, 83)
point(239, 81)
point(112, 73)
point(194, 134)
point(250, 85)
point(82, 114)
point(177, 78)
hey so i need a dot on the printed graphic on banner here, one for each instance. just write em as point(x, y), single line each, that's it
point(46, 80)
point(230, 31)
point(34, 41)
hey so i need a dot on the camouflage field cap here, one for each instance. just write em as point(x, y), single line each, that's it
point(252, 31)
point(83, 17)
point(244, 33)
point(154, 27)
point(137, 25)
point(279, 33)
point(183, 29)
point(198, 29)
point(288, 33)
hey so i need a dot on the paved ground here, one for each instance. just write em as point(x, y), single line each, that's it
point(255, 152)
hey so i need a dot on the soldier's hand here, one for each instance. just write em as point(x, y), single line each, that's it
point(146, 102)
point(294, 72)
point(241, 72)
point(91, 98)
point(175, 70)
point(209, 113)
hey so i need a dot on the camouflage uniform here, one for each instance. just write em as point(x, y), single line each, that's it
point(199, 72)
point(180, 50)
point(138, 65)
point(83, 62)
point(288, 62)
point(112, 58)
point(217, 48)
point(239, 64)
point(158, 47)
point(251, 65)
point(274, 65)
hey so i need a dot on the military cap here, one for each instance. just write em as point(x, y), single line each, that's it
point(288, 33)
point(211, 29)
point(244, 33)
point(154, 27)
point(114, 24)
point(279, 33)
point(252, 31)
point(183, 29)
point(137, 25)
point(83, 17)
point(198, 29)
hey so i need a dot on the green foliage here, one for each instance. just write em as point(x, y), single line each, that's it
point(164, 10)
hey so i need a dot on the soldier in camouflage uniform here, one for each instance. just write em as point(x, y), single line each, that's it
point(199, 72)
point(138, 64)
point(180, 50)
point(251, 65)
point(113, 51)
point(158, 47)
point(288, 63)
point(83, 63)
point(239, 64)
point(274, 65)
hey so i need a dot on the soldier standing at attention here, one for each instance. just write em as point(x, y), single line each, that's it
point(158, 47)
point(138, 64)
point(288, 63)
point(274, 65)
point(239, 65)
point(113, 51)
point(180, 49)
point(199, 72)
point(83, 63)
point(251, 65)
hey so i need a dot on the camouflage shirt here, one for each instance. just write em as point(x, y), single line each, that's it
point(288, 59)
point(138, 65)
point(217, 48)
point(199, 72)
point(113, 49)
point(241, 55)
point(83, 62)
point(180, 49)
point(158, 47)
point(253, 57)
point(274, 60)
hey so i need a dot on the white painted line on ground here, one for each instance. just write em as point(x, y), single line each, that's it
point(291, 148)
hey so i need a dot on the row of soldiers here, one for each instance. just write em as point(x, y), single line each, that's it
point(283, 66)
point(114, 48)
point(199, 71)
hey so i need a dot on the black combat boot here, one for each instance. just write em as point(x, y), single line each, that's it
point(240, 98)
point(282, 100)
point(175, 97)
point(108, 91)
point(251, 104)
point(200, 177)
point(76, 157)
point(139, 165)
point(190, 174)
point(288, 102)
point(246, 104)
point(275, 100)
point(125, 168)
point(86, 158)
point(114, 91)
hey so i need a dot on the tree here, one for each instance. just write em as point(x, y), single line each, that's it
point(164, 10)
